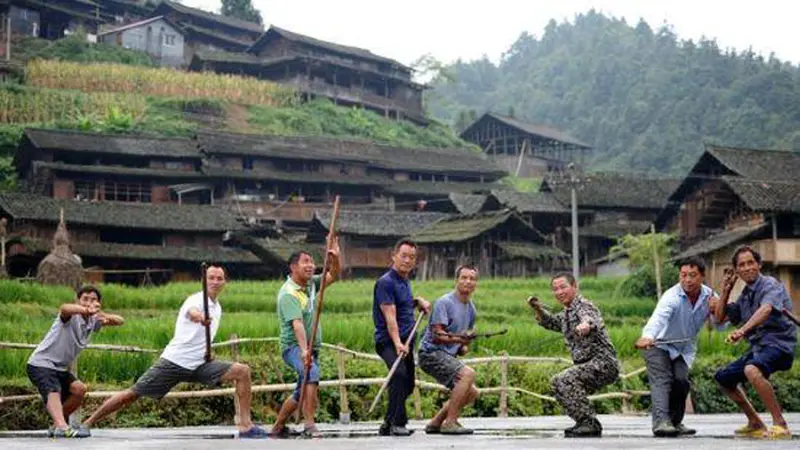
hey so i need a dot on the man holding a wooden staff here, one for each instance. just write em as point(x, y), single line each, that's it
point(595, 358)
point(296, 300)
point(393, 314)
point(187, 358)
point(444, 339)
point(669, 342)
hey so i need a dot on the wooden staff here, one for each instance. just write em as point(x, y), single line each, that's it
point(207, 324)
point(791, 316)
point(397, 362)
point(317, 309)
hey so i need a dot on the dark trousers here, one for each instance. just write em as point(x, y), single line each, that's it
point(400, 386)
point(669, 385)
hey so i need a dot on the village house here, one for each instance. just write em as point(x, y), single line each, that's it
point(735, 196)
point(124, 241)
point(206, 31)
point(289, 178)
point(618, 204)
point(158, 36)
point(51, 19)
point(366, 238)
point(524, 149)
point(277, 188)
point(346, 75)
point(500, 243)
point(121, 12)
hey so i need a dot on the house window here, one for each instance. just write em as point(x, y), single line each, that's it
point(169, 40)
point(84, 190)
point(124, 191)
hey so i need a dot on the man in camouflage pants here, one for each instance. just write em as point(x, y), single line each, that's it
point(592, 352)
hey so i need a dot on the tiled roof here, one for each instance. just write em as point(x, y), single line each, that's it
point(378, 223)
point(461, 228)
point(530, 202)
point(330, 46)
point(80, 141)
point(230, 21)
point(119, 214)
point(720, 240)
point(615, 190)
point(541, 131)
point(224, 255)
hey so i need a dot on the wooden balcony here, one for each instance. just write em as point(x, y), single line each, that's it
point(367, 257)
point(782, 252)
point(294, 211)
point(353, 95)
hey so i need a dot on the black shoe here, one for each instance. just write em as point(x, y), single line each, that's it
point(683, 430)
point(385, 429)
point(664, 428)
point(586, 428)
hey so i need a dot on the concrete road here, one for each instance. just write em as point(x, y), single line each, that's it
point(620, 432)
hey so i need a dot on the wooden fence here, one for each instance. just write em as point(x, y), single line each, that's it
point(342, 382)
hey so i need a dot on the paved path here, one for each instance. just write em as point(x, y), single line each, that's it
point(620, 432)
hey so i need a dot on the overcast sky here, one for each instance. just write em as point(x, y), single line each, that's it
point(452, 29)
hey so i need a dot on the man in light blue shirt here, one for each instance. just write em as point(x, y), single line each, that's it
point(669, 341)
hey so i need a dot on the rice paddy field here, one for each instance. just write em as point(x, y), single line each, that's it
point(27, 310)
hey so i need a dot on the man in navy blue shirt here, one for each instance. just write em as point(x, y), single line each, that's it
point(772, 337)
point(393, 313)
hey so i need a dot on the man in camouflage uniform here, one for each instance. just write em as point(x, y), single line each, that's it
point(592, 352)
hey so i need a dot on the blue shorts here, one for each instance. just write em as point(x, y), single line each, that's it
point(291, 356)
point(767, 359)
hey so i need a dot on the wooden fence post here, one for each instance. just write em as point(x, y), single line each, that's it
point(344, 405)
point(235, 354)
point(504, 386)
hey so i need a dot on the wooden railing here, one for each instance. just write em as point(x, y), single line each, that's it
point(341, 382)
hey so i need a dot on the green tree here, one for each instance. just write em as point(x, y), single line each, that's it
point(645, 99)
point(241, 9)
point(644, 251)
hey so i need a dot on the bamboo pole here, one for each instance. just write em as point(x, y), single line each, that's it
point(235, 355)
point(504, 386)
point(344, 404)
point(656, 262)
point(417, 403)
point(317, 309)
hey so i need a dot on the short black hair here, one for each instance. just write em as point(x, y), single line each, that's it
point(567, 275)
point(467, 266)
point(402, 242)
point(295, 257)
point(694, 261)
point(218, 266)
point(743, 249)
point(88, 289)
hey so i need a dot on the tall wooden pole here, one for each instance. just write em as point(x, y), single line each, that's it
point(317, 309)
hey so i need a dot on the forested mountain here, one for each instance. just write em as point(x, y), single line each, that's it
point(645, 99)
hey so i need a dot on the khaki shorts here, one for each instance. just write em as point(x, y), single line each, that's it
point(441, 365)
point(164, 375)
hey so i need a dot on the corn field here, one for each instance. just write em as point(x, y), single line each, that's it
point(165, 82)
point(45, 106)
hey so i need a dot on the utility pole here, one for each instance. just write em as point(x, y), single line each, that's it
point(8, 35)
point(573, 181)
